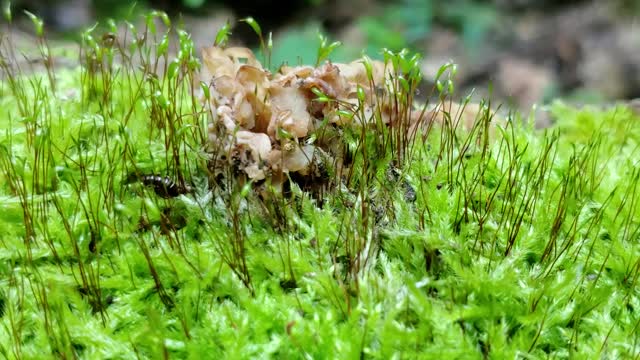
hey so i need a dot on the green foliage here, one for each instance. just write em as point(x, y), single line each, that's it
point(193, 3)
point(305, 45)
point(518, 244)
point(222, 37)
point(6, 11)
point(407, 22)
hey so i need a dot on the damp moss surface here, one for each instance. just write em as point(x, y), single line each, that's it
point(523, 244)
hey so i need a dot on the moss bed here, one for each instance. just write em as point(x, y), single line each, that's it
point(121, 240)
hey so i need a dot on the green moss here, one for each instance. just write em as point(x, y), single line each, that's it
point(523, 247)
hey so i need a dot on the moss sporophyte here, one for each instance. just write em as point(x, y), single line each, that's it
point(159, 204)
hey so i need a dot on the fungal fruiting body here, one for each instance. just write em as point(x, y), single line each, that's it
point(270, 125)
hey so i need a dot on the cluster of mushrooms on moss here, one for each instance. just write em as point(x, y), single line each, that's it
point(272, 125)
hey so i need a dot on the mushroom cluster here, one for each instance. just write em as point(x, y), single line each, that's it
point(268, 125)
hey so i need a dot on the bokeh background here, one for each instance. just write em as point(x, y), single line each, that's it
point(518, 52)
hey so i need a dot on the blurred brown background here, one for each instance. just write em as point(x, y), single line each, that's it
point(519, 52)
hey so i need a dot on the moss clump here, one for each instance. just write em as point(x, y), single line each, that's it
point(452, 244)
